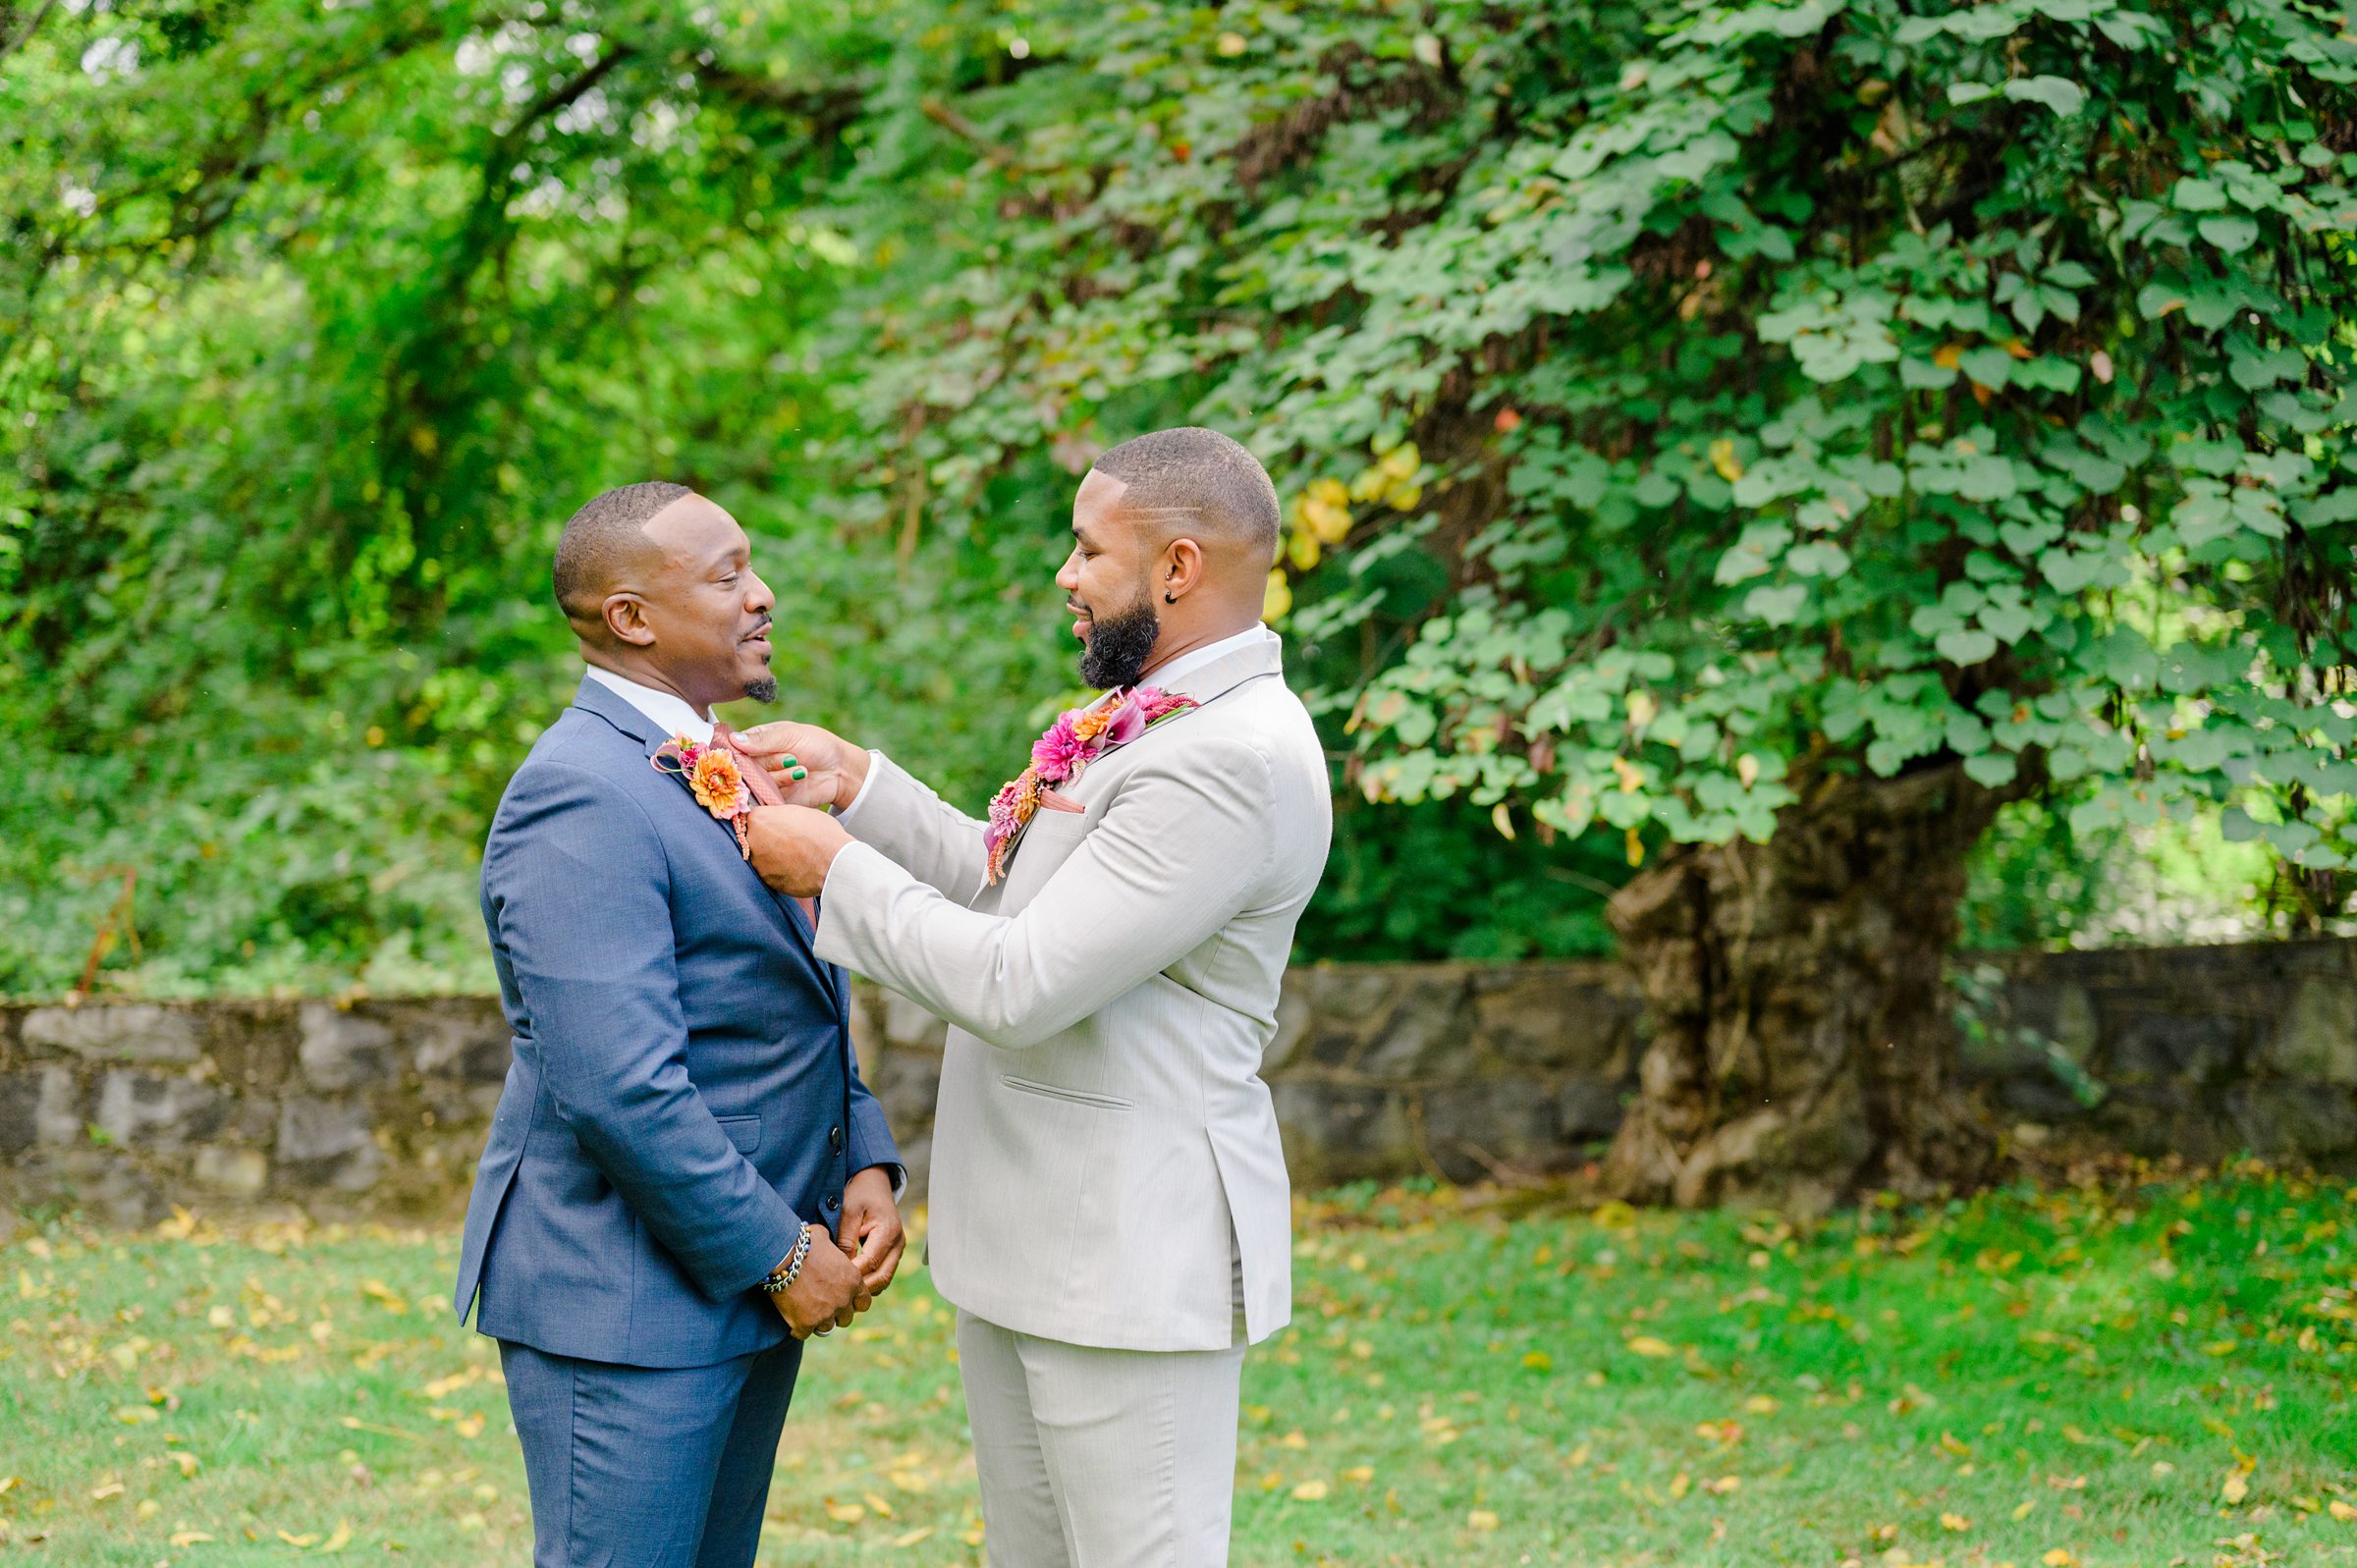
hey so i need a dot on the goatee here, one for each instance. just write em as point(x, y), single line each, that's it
point(762, 688)
point(1120, 646)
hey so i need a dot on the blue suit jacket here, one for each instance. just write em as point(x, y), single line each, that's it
point(683, 1093)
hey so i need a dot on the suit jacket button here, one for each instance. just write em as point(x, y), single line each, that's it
point(835, 1139)
point(834, 1199)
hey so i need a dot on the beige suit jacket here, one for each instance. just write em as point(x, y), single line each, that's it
point(1104, 1148)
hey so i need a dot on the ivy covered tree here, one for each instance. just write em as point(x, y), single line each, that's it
point(1774, 435)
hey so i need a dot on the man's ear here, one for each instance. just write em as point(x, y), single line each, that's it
point(1182, 568)
point(626, 620)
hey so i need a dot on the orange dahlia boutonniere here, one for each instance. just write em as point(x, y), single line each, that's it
point(712, 776)
point(719, 787)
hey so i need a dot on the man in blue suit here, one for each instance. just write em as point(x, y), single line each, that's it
point(685, 1176)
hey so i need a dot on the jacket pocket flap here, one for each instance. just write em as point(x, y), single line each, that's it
point(744, 1131)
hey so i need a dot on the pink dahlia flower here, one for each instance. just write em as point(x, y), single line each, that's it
point(1055, 753)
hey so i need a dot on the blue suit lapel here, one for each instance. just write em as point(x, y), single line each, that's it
point(611, 706)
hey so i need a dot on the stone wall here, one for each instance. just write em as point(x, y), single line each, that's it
point(1378, 1070)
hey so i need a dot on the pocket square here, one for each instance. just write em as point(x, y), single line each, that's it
point(1050, 800)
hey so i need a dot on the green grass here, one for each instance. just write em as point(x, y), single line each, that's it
point(2136, 1374)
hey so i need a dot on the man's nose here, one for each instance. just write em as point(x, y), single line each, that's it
point(1067, 576)
point(759, 599)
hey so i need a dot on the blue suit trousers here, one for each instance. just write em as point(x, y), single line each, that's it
point(648, 1466)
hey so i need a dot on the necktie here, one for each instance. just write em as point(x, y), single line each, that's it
point(765, 791)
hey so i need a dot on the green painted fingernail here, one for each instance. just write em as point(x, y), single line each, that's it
point(802, 773)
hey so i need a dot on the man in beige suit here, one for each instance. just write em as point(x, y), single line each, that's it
point(1110, 1210)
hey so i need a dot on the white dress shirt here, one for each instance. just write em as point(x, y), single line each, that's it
point(666, 708)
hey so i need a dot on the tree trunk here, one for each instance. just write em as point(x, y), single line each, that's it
point(1803, 1051)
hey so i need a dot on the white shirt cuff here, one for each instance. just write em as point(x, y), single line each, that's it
point(845, 814)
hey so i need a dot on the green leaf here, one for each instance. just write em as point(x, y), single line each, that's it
point(2231, 235)
point(1778, 607)
point(2059, 94)
point(1965, 646)
point(1992, 769)
point(2199, 195)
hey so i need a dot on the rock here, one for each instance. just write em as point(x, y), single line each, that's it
point(232, 1172)
point(1353, 994)
point(907, 1024)
point(143, 1108)
point(2293, 1123)
point(118, 1031)
point(326, 1143)
point(445, 1042)
point(1339, 1132)
point(1486, 1127)
point(2317, 1039)
point(60, 1116)
point(2159, 1045)
point(20, 1112)
point(1292, 1027)
point(345, 1050)
point(1427, 1035)
point(906, 1084)
point(1589, 1112)
point(98, 1182)
point(1555, 1018)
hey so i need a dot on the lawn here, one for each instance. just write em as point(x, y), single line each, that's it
point(2133, 1371)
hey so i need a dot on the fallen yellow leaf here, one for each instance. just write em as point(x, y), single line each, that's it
point(1361, 1475)
point(1646, 1345)
point(307, 1539)
point(1760, 1405)
point(188, 1538)
point(2023, 1512)
point(1954, 1522)
point(1539, 1361)
point(882, 1509)
point(113, 1488)
point(2234, 1488)
point(1310, 1492)
point(912, 1538)
point(846, 1513)
point(2059, 1557)
point(909, 1479)
point(2340, 1510)
point(340, 1539)
point(1481, 1519)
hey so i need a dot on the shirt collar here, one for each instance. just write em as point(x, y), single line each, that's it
point(1168, 676)
point(668, 710)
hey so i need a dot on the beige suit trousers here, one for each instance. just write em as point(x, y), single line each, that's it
point(1100, 1458)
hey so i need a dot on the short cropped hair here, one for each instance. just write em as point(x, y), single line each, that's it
point(1198, 480)
point(599, 540)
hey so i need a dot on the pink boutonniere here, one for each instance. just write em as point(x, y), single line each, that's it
point(1078, 737)
point(712, 776)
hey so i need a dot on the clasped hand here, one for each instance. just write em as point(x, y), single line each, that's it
point(844, 1274)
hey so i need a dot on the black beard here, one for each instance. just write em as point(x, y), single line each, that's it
point(762, 688)
point(1119, 648)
